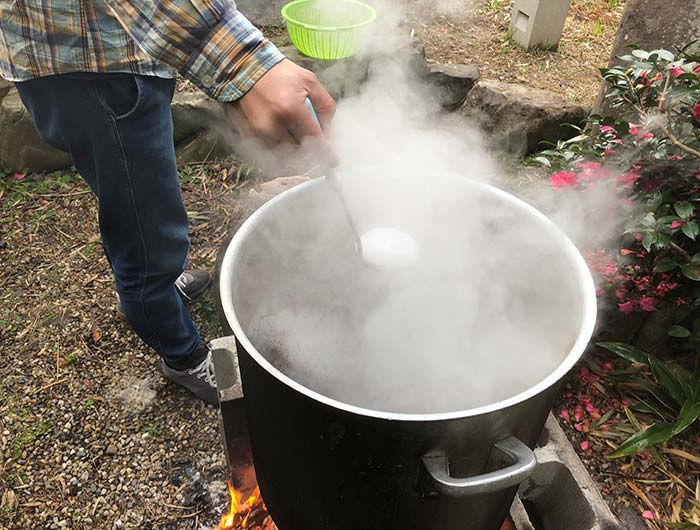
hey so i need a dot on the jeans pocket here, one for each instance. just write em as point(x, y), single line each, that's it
point(119, 94)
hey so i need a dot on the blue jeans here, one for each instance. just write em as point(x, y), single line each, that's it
point(118, 130)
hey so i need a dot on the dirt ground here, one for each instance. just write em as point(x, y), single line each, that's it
point(91, 436)
point(480, 36)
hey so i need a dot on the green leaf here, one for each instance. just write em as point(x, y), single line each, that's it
point(626, 351)
point(689, 413)
point(668, 380)
point(658, 393)
point(665, 55)
point(695, 259)
point(543, 161)
point(668, 219)
point(648, 241)
point(661, 240)
point(692, 272)
point(684, 209)
point(649, 437)
point(649, 220)
point(691, 229)
point(665, 265)
point(679, 332)
point(576, 139)
point(640, 54)
point(654, 201)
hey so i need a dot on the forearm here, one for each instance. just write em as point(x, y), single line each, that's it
point(208, 41)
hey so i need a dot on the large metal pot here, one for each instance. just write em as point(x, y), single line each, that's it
point(325, 463)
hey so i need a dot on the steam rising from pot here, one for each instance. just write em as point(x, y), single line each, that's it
point(489, 306)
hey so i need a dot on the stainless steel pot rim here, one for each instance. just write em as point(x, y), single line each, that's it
point(581, 272)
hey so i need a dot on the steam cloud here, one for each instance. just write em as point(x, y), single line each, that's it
point(492, 307)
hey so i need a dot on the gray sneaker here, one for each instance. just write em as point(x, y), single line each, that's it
point(199, 380)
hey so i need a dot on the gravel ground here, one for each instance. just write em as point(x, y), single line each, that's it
point(92, 435)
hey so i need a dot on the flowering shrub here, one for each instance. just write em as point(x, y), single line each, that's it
point(649, 157)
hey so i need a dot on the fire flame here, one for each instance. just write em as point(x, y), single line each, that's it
point(238, 514)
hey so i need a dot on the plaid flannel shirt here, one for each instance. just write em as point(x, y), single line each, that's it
point(208, 41)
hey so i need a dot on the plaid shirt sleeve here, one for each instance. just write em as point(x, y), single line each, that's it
point(209, 42)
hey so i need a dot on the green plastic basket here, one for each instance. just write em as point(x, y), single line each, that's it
point(328, 29)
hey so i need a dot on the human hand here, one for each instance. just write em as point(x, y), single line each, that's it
point(274, 111)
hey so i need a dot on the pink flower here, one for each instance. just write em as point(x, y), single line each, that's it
point(626, 308)
point(696, 111)
point(677, 224)
point(608, 129)
point(658, 77)
point(629, 178)
point(563, 179)
point(585, 445)
point(647, 135)
point(648, 515)
point(626, 251)
point(677, 70)
point(647, 304)
point(609, 151)
point(634, 130)
point(19, 176)
point(564, 414)
point(589, 165)
point(697, 69)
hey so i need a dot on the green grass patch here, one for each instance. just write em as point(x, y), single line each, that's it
point(28, 436)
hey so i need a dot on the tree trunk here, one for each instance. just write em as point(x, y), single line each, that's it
point(653, 24)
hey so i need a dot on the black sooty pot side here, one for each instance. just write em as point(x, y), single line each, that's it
point(321, 468)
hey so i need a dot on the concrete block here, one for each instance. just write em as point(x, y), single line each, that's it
point(538, 23)
point(560, 494)
point(228, 377)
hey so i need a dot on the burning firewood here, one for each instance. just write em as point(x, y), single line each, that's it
point(250, 514)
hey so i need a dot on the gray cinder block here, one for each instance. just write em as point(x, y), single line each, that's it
point(538, 23)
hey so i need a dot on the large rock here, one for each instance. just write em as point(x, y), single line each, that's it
point(262, 12)
point(653, 24)
point(519, 118)
point(206, 145)
point(21, 148)
point(454, 81)
point(192, 112)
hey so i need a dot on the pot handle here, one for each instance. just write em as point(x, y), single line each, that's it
point(438, 467)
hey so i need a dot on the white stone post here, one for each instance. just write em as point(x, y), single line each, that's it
point(538, 23)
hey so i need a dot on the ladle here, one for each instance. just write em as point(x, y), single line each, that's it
point(388, 246)
point(334, 183)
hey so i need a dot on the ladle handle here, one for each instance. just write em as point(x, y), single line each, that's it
point(312, 111)
point(331, 175)
point(438, 467)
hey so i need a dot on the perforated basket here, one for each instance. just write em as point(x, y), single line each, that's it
point(329, 29)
